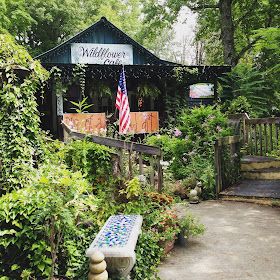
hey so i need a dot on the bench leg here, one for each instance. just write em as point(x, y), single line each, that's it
point(120, 267)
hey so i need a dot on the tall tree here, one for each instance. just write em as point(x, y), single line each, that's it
point(40, 25)
point(229, 19)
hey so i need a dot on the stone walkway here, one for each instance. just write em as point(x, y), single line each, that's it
point(242, 242)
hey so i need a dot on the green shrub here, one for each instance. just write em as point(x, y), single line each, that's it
point(148, 256)
point(189, 147)
point(239, 105)
point(165, 142)
point(93, 160)
point(194, 155)
point(202, 126)
point(40, 235)
point(191, 226)
point(46, 227)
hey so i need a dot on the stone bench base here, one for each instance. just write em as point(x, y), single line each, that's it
point(117, 240)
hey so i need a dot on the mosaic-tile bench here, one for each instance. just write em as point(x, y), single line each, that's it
point(117, 240)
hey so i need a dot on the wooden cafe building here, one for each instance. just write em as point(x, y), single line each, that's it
point(89, 64)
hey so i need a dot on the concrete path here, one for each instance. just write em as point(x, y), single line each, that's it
point(242, 242)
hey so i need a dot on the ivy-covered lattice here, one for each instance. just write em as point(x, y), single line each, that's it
point(20, 140)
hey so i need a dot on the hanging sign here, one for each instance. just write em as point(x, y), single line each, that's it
point(87, 53)
point(89, 123)
point(144, 122)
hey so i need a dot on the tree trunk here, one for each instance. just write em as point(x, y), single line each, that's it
point(227, 32)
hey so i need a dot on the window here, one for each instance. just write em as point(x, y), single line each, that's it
point(201, 90)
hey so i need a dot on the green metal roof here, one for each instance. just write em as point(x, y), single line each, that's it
point(102, 32)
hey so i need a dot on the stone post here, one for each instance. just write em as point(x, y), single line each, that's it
point(97, 267)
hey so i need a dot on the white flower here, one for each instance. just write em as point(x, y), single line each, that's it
point(164, 163)
point(142, 178)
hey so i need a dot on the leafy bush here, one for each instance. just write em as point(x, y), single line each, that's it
point(239, 105)
point(200, 128)
point(20, 141)
point(148, 256)
point(165, 142)
point(190, 147)
point(249, 81)
point(39, 225)
point(93, 160)
point(45, 227)
point(191, 226)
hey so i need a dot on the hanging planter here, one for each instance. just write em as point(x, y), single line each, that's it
point(147, 89)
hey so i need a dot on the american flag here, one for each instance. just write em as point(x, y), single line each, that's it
point(122, 105)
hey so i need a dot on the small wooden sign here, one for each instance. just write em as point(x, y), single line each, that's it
point(144, 122)
point(90, 123)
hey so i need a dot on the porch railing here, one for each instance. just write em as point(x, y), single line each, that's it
point(261, 135)
point(139, 150)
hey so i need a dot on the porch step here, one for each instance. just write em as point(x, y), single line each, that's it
point(255, 189)
point(256, 200)
point(262, 174)
point(249, 163)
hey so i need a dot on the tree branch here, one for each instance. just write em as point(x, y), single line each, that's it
point(245, 49)
point(249, 10)
point(203, 6)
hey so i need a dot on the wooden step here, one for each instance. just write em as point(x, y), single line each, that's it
point(256, 200)
point(249, 163)
point(262, 174)
point(254, 189)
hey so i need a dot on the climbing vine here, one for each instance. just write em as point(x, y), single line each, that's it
point(79, 77)
point(182, 74)
point(20, 141)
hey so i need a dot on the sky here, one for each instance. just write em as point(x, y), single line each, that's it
point(185, 30)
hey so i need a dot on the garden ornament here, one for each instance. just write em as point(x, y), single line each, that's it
point(97, 267)
point(193, 197)
point(198, 188)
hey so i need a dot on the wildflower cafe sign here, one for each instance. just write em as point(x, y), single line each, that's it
point(87, 53)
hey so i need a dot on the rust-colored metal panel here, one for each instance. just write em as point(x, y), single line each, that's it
point(144, 122)
point(93, 123)
point(90, 123)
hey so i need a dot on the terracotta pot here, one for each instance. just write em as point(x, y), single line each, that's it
point(168, 246)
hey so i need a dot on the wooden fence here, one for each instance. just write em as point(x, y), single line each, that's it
point(227, 162)
point(154, 153)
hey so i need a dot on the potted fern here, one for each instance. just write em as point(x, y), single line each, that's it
point(189, 226)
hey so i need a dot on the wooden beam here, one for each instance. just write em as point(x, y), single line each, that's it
point(263, 121)
point(114, 143)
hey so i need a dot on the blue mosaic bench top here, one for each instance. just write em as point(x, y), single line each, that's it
point(118, 237)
